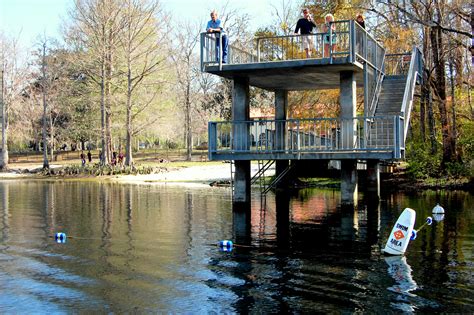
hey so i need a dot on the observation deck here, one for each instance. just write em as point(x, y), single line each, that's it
point(279, 64)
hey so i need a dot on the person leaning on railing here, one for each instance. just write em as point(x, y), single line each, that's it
point(215, 26)
point(329, 25)
point(305, 27)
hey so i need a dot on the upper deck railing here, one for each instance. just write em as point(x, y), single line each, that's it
point(349, 39)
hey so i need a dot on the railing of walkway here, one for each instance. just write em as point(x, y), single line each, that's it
point(397, 64)
point(348, 40)
point(415, 72)
point(308, 135)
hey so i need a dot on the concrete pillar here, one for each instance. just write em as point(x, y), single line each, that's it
point(349, 194)
point(240, 112)
point(281, 107)
point(373, 179)
point(241, 214)
point(242, 181)
point(348, 100)
point(241, 140)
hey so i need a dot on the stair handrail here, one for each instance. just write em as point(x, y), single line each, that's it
point(413, 73)
point(377, 91)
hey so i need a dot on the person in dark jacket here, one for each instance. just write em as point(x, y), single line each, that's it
point(304, 27)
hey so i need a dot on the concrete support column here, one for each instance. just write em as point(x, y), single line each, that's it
point(281, 107)
point(348, 100)
point(240, 136)
point(240, 113)
point(373, 179)
point(349, 194)
point(241, 213)
point(242, 181)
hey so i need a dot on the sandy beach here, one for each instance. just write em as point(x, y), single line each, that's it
point(195, 174)
point(205, 174)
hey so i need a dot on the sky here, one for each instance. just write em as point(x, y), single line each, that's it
point(30, 19)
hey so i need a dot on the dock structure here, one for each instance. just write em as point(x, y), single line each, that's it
point(278, 64)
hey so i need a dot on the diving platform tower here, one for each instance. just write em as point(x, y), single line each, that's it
point(278, 64)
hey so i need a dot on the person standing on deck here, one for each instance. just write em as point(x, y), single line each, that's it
point(215, 26)
point(329, 28)
point(305, 27)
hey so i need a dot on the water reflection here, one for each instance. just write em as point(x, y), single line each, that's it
point(153, 248)
point(400, 271)
point(438, 217)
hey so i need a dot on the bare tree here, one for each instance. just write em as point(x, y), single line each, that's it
point(185, 61)
point(142, 43)
point(96, 28)
point(44, 90)
point(12, 77)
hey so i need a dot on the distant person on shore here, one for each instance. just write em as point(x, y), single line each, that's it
point(329, 28)
point(215, 26)
point(114, 158)
point(304, 27)
point(83, 158)
point(120, 158)
point(89, 156)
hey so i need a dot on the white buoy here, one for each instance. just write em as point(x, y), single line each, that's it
point(399, 238)
point(438, 209)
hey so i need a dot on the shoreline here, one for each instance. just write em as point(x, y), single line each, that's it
point(196, 174)
point(215, 174)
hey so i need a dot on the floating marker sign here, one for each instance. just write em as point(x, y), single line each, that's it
point(226, 246)
point(401, 233)
point(60, 237)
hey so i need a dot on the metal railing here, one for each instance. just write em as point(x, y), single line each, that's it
point(379, 133)
point(415, 72)
point(349, 41)
point(212, 55)
point(397, 64)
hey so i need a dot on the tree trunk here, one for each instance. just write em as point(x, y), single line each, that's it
point(102, 155)
point(128, 153)
point(108, 96)
point(440, 90)
point(431, 123)
point(51, 134)
point(189, 136)
point(45, 140)
point(453, 107)
point(4, 152)
point(424, 89)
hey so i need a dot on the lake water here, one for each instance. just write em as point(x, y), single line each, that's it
point(153, 248)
